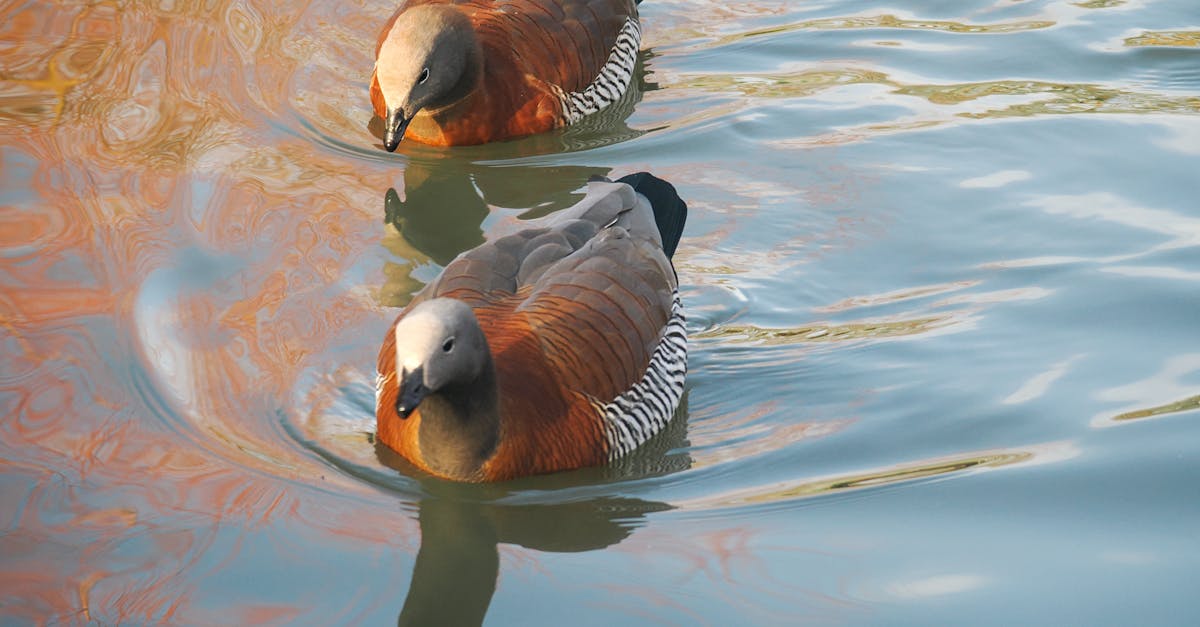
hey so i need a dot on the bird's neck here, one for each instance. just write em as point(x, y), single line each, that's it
point(469, 79)
point(436, 124)
point(460, 426)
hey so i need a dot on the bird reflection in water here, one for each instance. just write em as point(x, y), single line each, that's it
point(446, 201)
point(447, 193)
point(446, 197)
point(458, 563)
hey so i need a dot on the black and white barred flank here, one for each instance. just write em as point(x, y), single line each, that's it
point(613, 80)
point(643, 410)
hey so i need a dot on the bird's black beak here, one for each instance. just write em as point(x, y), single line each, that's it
point(394, 127)
point(412, 390)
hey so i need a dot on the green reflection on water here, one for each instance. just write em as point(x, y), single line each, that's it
point(890, 476)
point(825, 333)
point(787, 85)
point(889, 21)
point(1188, 404)
point(1186, 38)
point(1045, 97)
point(1067, 98)
point(1100, 4)
point(887, 476)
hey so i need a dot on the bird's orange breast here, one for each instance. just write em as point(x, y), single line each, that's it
point(534, 51)
point(544, 426)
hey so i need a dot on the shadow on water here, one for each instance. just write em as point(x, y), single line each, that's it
point(445, 202)
point(462, 525)
point(458, 564)
point(447, 193)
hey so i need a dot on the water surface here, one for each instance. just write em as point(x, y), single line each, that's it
point(942, 270)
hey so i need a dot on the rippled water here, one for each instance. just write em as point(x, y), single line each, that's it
point(942, 269)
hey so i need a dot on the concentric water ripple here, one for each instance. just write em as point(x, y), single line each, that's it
point(940, 269)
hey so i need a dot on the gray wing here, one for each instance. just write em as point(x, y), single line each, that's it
point(608, 212)
point(593, 283)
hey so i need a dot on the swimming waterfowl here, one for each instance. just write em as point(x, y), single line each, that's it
point(454, 72)
point(554, 348)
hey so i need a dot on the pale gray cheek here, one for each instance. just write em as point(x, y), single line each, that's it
point(435, 376)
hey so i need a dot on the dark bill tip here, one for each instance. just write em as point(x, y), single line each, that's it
point(412, 392)
point(394, 128)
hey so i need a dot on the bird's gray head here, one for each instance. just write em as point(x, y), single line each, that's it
point(429, 59)
point(439, 345)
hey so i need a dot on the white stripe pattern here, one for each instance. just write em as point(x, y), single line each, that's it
point(643, 410)
point(613, 80)
point(379, 379)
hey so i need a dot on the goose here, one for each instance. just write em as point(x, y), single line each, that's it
point(475, 71)
point(557, 347)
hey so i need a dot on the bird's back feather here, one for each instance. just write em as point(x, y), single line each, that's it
point(574, 310)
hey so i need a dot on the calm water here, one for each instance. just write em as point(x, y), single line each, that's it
point(943, 275)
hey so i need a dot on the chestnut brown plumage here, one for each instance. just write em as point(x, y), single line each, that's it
point(451, 72)
point(557, 347)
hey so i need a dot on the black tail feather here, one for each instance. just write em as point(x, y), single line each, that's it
point(670, 212)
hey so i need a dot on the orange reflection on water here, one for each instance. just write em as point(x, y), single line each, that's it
point(170, 262)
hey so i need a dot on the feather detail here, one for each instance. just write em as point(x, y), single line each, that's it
point(585, 327)
point(548, 63)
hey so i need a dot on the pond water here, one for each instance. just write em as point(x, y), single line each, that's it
point(942, 270)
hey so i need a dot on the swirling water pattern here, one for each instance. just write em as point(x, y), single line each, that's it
point(942, 271)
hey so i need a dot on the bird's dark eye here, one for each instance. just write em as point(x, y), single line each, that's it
point(424, 76)
point(448, 345)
